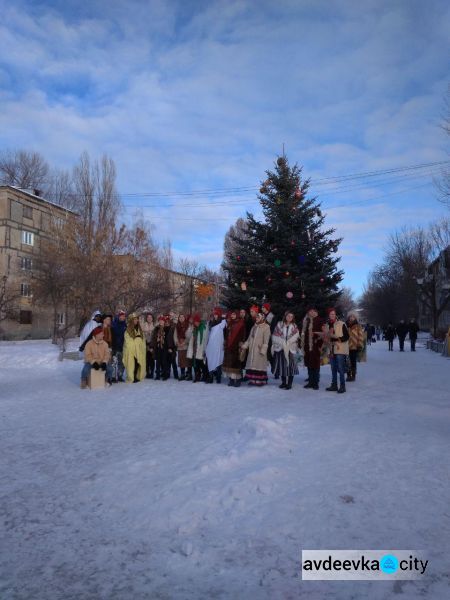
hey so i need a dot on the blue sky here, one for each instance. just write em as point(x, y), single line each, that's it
point(189, 96)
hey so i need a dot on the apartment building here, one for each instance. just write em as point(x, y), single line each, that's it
point(25, 220)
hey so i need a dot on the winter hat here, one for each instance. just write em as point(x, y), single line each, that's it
point(197, 318)
point(254, 308)
point(331, 309)
point(167, 318)
point(97, 330)
point(266, 306)
point(217, 311)
point(121, 312)
point(161, 318)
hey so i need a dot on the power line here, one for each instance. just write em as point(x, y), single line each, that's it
point(325, 181)
point(358, 186)
point(349, 204)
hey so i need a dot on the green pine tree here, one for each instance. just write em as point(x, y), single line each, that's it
point(289, 258)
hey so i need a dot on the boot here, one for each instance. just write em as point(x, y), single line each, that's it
point(283, 383)
point(341, 389)
point(231, 383)
point(219, 377)
point(289, 383)
point(349, 376)
point(333, 388)
point(237, 383)
point(308, 385)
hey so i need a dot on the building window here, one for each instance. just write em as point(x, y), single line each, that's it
point(28, 238)
point(26, 263)
point(25, 290)
point(61, 319)
point(58, 222)
point(28, 212)
point(25, 317)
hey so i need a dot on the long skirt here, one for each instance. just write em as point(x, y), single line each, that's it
point(283, 368)
point(255, 377)
point(182, 359)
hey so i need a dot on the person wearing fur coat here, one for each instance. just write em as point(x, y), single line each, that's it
point(355, 344)
point(234, 337)
point(181, 338)
point(311, 346)
point(148, 326)
point(284, 347)
point(257, 344)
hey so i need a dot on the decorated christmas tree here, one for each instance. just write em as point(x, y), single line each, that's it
point(289, 257)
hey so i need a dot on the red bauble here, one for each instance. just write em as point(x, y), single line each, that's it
point(298, 194)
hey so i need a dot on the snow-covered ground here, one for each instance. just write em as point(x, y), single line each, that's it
point(175, 490)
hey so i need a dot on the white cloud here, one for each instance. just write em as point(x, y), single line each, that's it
point(198, 95)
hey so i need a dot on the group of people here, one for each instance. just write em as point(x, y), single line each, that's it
point(401, 331)
point(240, 345)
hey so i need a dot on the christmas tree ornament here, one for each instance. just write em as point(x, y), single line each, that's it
point(277, 262)
point(243, 286)
point(262, 189)
point(322, 280)
point(298, 194)
point(287, 273)
point(236, 284)
point(248, 271)
point(279, 200)
point(303, 296)
point(301, 260)
point(281, 161)
point(293, 243)
point(238, 257)
point(289, 295)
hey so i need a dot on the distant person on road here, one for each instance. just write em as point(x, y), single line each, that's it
point(413, 329)
point(402, 330)
point(389, 335)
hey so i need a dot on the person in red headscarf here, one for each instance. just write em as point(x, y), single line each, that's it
point(180, 340)
point(234, 336)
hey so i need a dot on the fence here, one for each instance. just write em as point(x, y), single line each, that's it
point(436, 346)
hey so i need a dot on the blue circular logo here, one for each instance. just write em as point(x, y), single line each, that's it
point(389, 563)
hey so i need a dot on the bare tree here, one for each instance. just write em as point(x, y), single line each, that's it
point(442, 182)
point(9, 296)
point(24, 169)
point(346, 302)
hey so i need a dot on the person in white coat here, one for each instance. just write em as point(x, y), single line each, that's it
point(196, 348)
point(215, 346)
point(284, 348)
point(86, 333)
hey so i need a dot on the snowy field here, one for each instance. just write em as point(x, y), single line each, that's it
point(175, 490)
